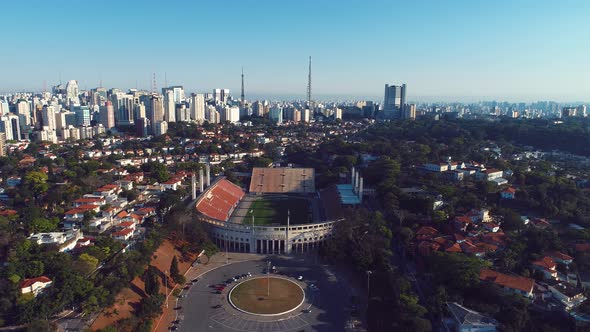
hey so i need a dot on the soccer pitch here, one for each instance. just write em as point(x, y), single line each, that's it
point(273, 210)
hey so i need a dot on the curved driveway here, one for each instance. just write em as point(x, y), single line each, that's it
point(203, 310)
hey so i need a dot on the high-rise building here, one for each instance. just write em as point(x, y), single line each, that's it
point(123, 106)
point(3, 145)
point(48, 115)
point(221, 95)
point(107, 115)
point(142, 126)
point(198, 108)
point(409, 111)
point(154, 108)
point(183, 114)
point(569, 112)
point(72, 92)
point(276, 114)
point(229, 113)
point(161, 128)
point(82, 116)
point(9, 124)
point(394, 100)
point(138, 111)
point(581, 111)
point(211, 114)
point(169, 106)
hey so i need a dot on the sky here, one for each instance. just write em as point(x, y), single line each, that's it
point(445, 49)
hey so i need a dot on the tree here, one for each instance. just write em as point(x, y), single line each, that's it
point(36, 182)
point(86, 264)
point(174, 271)
point(151, 280)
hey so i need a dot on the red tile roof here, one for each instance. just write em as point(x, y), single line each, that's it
point(546, 263)
point(29, 282)
point(514, 282)
point(560, 256)
point(123, 232)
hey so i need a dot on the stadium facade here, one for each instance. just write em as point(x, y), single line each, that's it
point(223, 206)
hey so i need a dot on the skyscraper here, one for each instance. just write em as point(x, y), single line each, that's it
point(394, 100)
point(198, 108)
point(107, 115)
point(221, 95)
point(48, 114)
point(154, 109)
point(82, 116)
point(123, 106)
point(72, 92)
point(169, 106)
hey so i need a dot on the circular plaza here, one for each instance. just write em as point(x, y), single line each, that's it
point(266, 296)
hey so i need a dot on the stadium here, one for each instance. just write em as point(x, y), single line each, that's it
point(281, 213)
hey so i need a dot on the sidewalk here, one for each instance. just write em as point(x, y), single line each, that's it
point(169, 315)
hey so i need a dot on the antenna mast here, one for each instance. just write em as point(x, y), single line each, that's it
point(309, 85)
point(242, 95)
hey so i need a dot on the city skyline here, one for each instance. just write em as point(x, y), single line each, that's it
point(453, 51)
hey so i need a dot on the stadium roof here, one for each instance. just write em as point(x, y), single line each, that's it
point(282, 180)
point(219, 200)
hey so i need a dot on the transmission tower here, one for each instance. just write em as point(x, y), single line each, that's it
point(309, 85)
point(242, 95)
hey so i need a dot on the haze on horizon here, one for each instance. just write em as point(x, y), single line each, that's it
point(504, 50)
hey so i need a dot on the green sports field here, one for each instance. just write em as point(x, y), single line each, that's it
point(270, 210)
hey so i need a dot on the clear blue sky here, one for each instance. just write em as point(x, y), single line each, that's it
point(507, 49)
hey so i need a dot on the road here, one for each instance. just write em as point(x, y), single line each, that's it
point(328, 305)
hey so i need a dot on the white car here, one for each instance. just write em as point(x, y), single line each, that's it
point(300, 278)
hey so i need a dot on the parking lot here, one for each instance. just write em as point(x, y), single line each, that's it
point(204, 305)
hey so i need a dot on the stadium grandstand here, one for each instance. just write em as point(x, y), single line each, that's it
point(282, 180)
point(220, 200)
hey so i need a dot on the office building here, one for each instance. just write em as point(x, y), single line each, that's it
point(211, 114)
point(82, 116)
point(276, 114)
point(154, 108)
point(72, 92)
point(183, 114)
point(123, 107)
point(107, 115)
point(221, 95)
point(394, 100)
point(160, 128)
point(409, 112)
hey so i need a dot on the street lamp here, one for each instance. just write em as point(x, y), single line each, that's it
point(369, 282)
point(268, 278)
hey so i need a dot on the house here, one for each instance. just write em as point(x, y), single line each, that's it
point(123, 235)
point(35, 285)
point(508, 193)
point(171, 184)
point(560, 257)
point(490, 174)
point(568, 295)
point(440, 167)
point(492, 227)
point(547, 266)
point(127, 224)
point(89, 201)
point(462, 222)
point(467, 320)
point(513, 284)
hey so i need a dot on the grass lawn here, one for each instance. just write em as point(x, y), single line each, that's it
point(252, 295)
point(273, 210)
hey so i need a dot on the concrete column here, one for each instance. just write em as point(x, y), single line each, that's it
point(201, 184)
point(208, 173)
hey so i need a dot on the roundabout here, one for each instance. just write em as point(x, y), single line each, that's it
point(266, 296)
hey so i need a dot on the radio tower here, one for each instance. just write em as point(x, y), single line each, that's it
point(242, 95)
point(309, 85)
